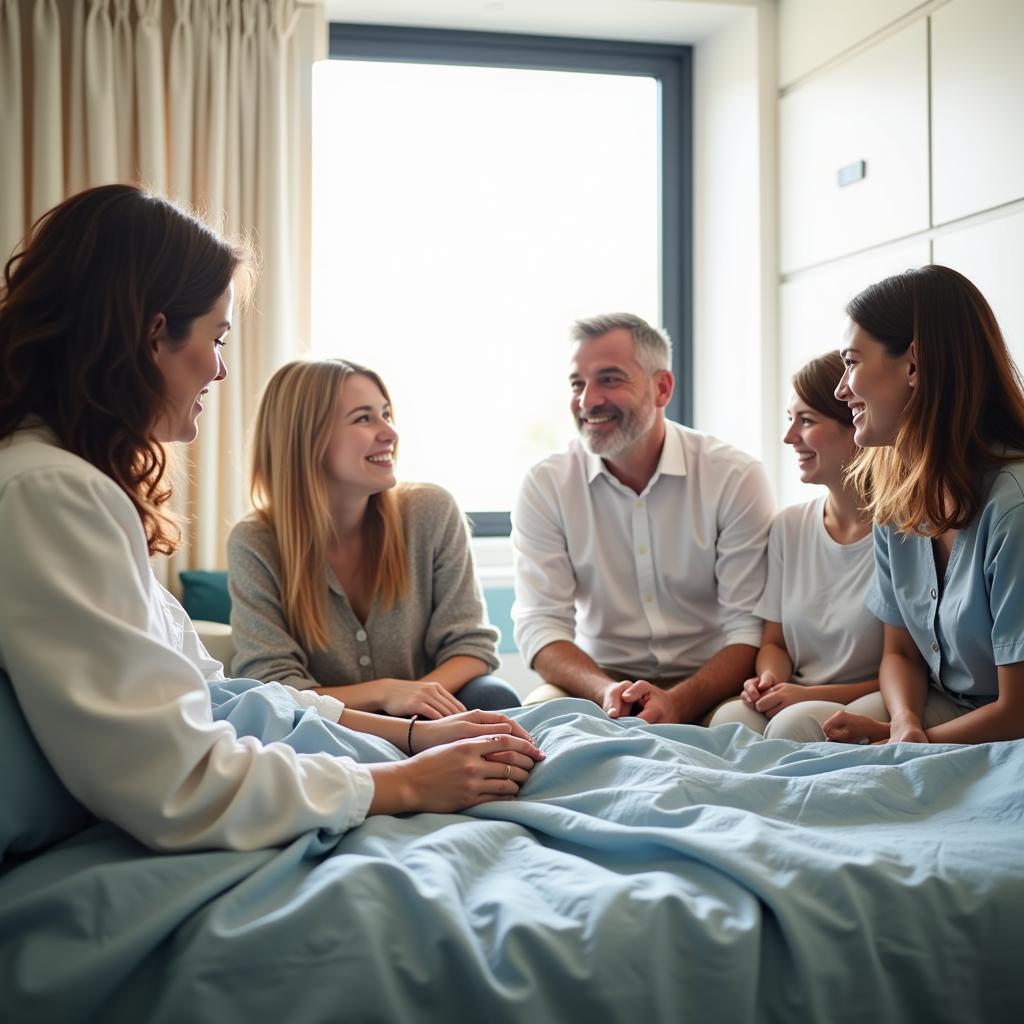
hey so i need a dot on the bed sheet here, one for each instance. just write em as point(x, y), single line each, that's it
point(646, 873)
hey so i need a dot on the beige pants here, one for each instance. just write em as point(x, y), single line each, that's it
point(803, 722)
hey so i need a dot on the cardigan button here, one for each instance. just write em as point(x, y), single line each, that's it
point(364, 659)
point(361, 635)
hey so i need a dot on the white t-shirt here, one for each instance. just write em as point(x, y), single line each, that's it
point(112, 678)
point(816, 589)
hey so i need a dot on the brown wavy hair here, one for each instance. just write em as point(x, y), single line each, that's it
point(289, 492)
point(965, 414)
point(815, 383)
point(77, 305)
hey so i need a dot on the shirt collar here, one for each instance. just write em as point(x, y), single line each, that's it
point(671, 463)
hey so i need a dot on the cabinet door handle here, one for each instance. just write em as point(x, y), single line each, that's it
point(851, 173)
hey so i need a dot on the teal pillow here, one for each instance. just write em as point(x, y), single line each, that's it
point(204, 595)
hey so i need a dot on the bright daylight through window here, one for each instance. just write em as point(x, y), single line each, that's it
point(463, 218)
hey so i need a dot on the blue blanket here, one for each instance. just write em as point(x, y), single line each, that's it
point(646, 873)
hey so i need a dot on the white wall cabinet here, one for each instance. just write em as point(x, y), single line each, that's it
point(977, 106)
point(812, 32)
point(873, 107)
point(991, 254)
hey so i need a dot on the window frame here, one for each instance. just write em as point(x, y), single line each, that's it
point(671, 65)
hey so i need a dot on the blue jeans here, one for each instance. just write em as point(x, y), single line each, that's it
point(487, 693)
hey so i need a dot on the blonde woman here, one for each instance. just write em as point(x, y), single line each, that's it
point(820, 646)
point(343, 581)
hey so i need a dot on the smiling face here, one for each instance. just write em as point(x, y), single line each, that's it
point(823, 446)
point(189, 367)
point(360, 454)
point(876, 386)
point(615, 401)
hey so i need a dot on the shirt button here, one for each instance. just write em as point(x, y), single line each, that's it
point(361, 635)
point(640, 503)
point(364, 659)
point(641, 550)
point(935, 593)
point(648, 598)
point(935, 646)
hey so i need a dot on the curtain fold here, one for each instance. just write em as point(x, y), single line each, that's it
point(204, 101)
point(47, 180)
point(149, 89)
point(12, 195)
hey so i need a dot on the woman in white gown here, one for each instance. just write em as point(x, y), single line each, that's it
point(113, 316)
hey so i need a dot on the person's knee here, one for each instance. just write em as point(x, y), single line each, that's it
point(488, 693)
point(802, 722)
point(736, 710)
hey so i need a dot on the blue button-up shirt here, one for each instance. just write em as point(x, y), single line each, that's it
point(974, 622)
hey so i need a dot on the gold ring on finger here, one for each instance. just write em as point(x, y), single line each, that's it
point(508, 771)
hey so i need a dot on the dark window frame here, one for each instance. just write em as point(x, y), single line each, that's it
point(672, 66)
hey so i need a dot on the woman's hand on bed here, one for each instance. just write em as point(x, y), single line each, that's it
point(407, 697)
point(846, 727)
point(468, 725)
point(454, 776)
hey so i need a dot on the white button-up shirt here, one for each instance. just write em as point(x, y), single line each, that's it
point(650, 585)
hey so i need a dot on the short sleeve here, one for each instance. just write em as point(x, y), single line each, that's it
point(770, 605)
point(880, 599)
point(1004, 556)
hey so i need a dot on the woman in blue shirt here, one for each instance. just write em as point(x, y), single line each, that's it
point(937, 401)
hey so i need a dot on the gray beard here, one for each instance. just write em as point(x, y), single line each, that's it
point(630, 428)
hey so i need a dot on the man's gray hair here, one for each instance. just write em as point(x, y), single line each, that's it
point(651, 346)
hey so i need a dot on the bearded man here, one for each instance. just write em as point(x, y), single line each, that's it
point(640, 551)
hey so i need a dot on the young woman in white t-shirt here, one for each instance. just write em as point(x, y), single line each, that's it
point(820, 647)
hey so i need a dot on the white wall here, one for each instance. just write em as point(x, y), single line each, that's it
point(929, 95)
point(733, 241)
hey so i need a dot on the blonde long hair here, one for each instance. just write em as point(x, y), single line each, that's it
point(966, 413)
point(289, 492)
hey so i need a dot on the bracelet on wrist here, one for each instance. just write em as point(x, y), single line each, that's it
point(408, 738)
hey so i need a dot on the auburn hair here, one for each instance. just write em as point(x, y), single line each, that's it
point(77, 305)
point(288, 487)
point(965, 412)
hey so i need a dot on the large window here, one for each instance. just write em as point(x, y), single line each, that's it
point(472, 196)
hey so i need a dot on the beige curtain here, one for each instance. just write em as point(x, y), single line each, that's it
point(208, 102)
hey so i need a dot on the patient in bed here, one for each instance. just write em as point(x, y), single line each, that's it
point(113, 321)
